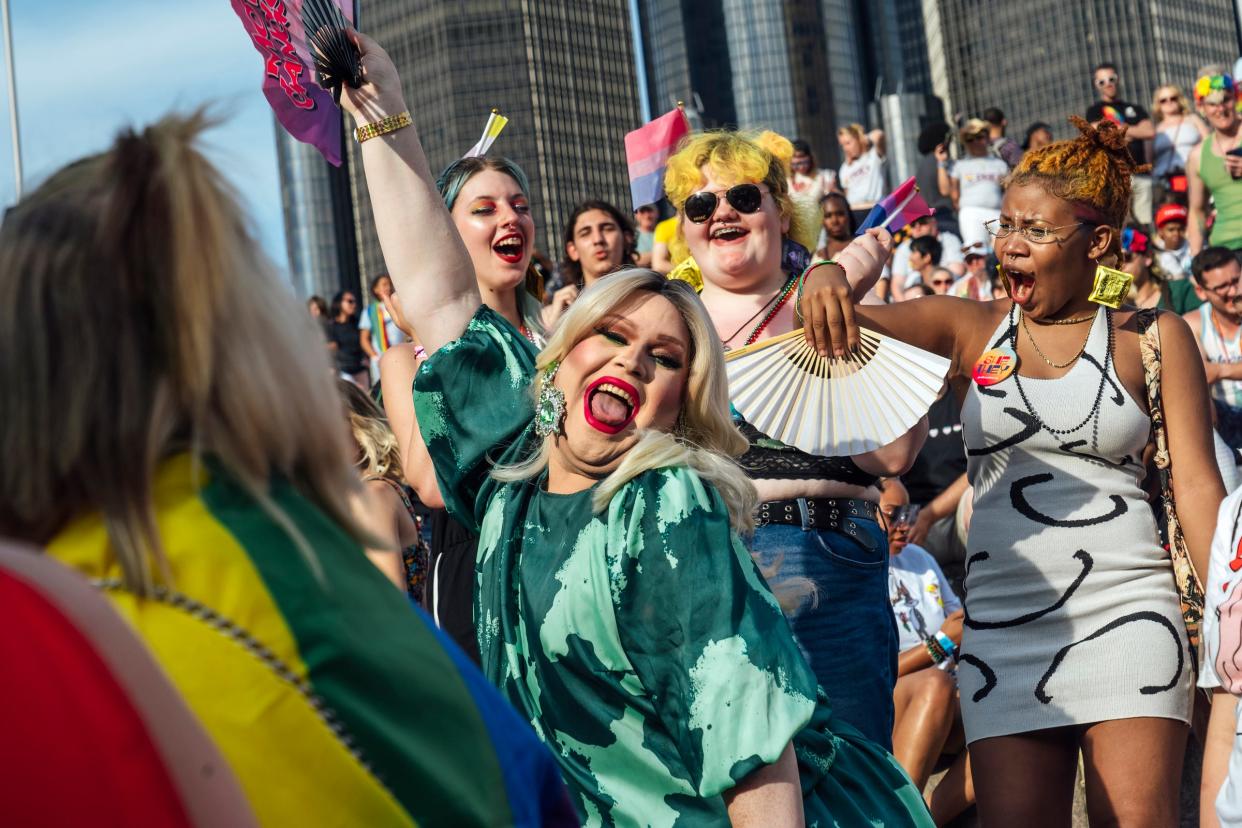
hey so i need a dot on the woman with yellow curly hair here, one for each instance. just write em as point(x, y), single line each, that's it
point(818, 514)
point(1074, 639)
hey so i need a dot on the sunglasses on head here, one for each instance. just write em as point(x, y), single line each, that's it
point(1106, 80)
point(745, 198)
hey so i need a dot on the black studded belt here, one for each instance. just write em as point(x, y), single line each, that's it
point(822, 513)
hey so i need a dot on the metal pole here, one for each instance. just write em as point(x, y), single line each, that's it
point(17, 136)
point(640, 61)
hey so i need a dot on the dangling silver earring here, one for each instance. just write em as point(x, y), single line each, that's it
point(550, 407)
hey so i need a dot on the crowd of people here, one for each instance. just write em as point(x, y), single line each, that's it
point(636, 607)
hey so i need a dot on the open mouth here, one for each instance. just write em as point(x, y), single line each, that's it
point(726, 233)
point(610, 405)
point(510, 248)
point(1021, 286)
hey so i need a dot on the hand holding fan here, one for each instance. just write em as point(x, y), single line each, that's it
point(294, 36)
point(834, 406)
point(336, 57)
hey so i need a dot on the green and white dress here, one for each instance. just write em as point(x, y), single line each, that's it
point(642, 642)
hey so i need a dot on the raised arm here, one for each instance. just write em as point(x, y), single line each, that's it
point(1198, 200)
point(933, 323)
point(424, 253)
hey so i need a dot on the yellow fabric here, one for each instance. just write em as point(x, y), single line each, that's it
point(666, 230)
point(688, 271)
point(294, 770)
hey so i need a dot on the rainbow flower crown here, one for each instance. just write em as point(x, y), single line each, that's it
point(1209, 84)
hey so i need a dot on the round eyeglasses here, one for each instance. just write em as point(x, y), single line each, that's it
point(1034, 233)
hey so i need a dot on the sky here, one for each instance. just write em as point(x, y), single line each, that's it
point(87, 68)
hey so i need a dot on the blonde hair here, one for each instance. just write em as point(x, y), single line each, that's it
point(857, 130)
point(734, 158)
point(139, 318)
point(706, 439)
point(381, 456)
point(1182, 101)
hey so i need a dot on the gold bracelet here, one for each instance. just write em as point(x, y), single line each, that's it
point(390, 124)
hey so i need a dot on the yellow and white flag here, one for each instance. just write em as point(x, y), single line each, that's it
point(495, 123)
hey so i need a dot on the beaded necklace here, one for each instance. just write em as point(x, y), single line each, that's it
point(779, 299)
point(785, 293)
point(1099, 394)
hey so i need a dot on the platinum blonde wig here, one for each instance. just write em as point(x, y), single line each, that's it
point(705, 440)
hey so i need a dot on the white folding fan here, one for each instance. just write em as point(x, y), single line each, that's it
point(834, 407)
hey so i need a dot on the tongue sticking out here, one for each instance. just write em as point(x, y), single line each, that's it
point(609, 409)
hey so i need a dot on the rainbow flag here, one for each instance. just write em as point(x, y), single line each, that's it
point(491, 131)
point(647, 150)
point(897, 209)
point(302, 107)
point(333, 701)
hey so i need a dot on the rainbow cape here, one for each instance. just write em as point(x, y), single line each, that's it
point(333, 701)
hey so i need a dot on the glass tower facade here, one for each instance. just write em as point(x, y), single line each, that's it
point(743, 63)
point(1034, 59)
point(306, 198)
point(562, 71)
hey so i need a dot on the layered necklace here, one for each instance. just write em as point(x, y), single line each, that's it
point(772, 306)
point(1093, 414)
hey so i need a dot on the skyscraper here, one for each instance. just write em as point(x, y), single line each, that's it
point(561, 70)
point(305, 193)
point(742, 63)
point(1034, 59)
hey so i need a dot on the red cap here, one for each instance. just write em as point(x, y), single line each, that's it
point(1170, 212)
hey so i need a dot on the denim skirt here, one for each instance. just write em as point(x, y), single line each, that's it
point(846, 630)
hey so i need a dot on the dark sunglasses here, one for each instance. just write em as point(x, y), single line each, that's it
point(1168, 100)
point(745, 198)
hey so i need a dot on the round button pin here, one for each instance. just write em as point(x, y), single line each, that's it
point(994, 366)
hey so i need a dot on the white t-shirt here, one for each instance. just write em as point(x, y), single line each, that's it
point(812, 188)
point(1174, 263)
point(1172, 146)
point(863, 179)
point(920, 596)
point(979, 180)
point(1223, 597)
point(395, 336)
point(950, 253)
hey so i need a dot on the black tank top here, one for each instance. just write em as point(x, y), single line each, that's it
point(769, 459)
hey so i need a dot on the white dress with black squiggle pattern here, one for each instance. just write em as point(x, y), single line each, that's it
point(1072, 612)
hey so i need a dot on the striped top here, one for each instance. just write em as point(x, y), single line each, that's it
point(1216, 348)
point(333, 700)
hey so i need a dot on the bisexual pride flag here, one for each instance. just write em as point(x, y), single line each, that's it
point(897, 209)
point(647, 150)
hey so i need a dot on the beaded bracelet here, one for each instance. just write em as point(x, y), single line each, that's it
point(945, 643)
point(933, 649)
point(382, 127)
point(802, 283)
